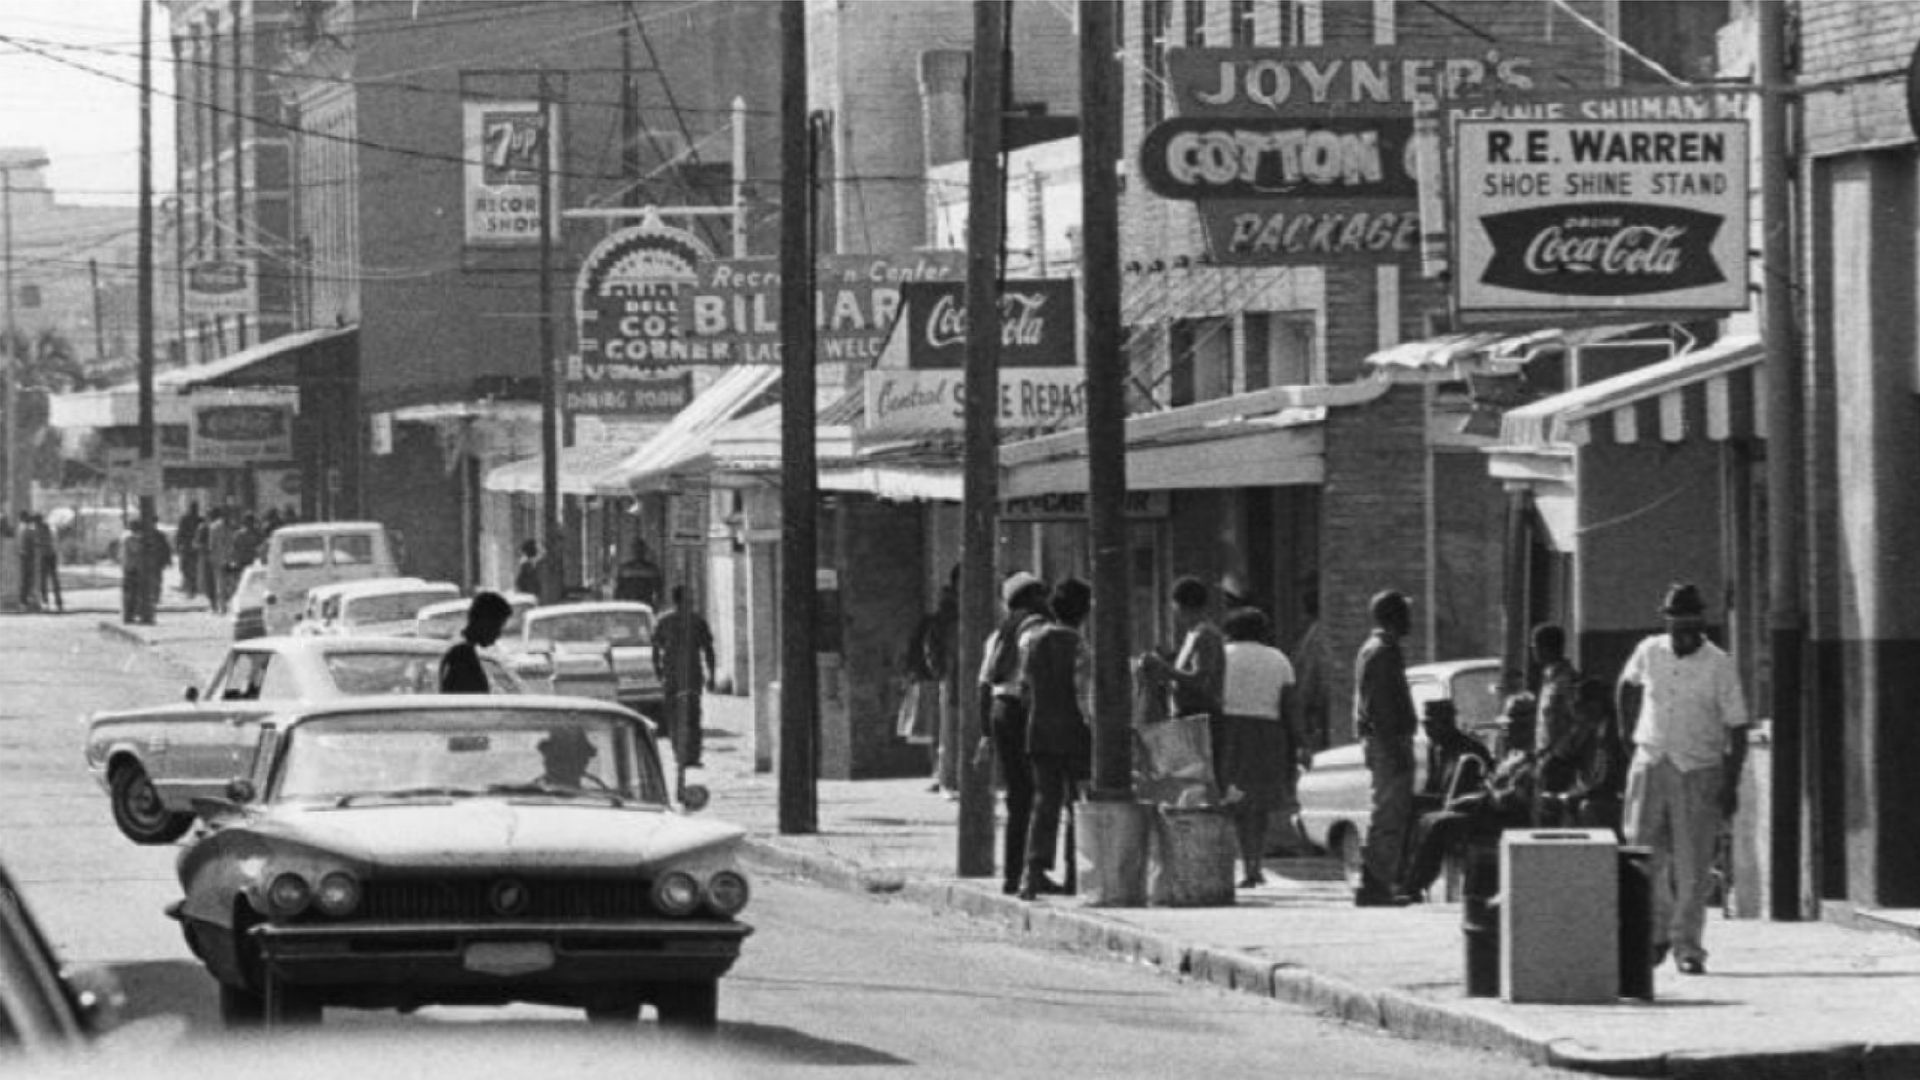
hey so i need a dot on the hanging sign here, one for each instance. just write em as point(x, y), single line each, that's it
point(921, 401)
point(627, 310)
point(735, 306)
point(1037, 324)
point(502, 147)
point(221, 287)
point(1309, 155)
point(240, 434)
point(1584, 216)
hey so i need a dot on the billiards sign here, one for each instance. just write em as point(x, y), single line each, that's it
point(1586, 216)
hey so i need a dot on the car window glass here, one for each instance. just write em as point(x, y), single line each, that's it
point(219, 680)
point(444, 624)
point(593, 627)
point(245, 679)
point(303, 551)
point(354, 549)
point(391, 607)
point(359, 673)
point(497, 674)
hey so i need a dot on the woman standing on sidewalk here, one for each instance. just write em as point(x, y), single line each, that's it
point(1263, 736)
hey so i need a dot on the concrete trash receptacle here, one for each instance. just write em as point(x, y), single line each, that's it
point(1111, 852)
point(1190, 856)
point(1559, 916)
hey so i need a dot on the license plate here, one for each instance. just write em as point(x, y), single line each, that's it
point(509, 957)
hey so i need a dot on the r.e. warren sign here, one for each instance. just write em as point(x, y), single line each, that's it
point(1583, 216)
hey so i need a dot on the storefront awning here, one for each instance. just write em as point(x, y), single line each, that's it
point(686, 442)
point(581, 470)
point(270, 363)
point(1718, 393)
point(751, 443)
point(1453, 356)
point(897, 482)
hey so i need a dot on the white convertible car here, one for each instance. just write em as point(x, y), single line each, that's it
point(154, 762)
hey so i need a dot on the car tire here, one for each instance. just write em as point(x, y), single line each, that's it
point(689, 1006)
point(623, 1012)
point(138, 811)
point(1353, 856)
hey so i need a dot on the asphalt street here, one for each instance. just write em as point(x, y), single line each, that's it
point(830, 980)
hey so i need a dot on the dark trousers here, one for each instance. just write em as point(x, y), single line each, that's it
point(50, 582)
point(1053, 776)
point(1010, 746)
point(683, 724)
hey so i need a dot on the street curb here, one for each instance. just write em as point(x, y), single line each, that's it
point(1393, 1011)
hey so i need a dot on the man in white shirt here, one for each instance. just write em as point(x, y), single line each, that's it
point(1681, 703)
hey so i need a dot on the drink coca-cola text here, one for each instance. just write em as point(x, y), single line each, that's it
point(1022, 320)
point(1628, 249)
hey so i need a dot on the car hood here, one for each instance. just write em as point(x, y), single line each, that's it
point(507, 833)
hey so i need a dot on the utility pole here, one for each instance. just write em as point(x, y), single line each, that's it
point(799, 473)
point(979, 585)
point(553, 561)
point(1790, 898)
point(143, 318)
point(99, 325)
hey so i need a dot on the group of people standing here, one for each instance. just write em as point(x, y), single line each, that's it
point(39, 564)
point(1677, 707)
point(215, 548)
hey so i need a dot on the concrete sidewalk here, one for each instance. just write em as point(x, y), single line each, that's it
point(1779, 999)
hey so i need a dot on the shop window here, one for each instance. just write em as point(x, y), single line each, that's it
point(1196, 29)
point(1202, 367)
point(1282, 350)
point(1240, 18)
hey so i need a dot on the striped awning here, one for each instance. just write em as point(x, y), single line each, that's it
point(1716, 393)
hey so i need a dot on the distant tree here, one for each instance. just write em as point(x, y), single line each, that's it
point(49, 365)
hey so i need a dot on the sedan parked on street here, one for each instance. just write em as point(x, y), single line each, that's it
point(1336, 803)
point(385, 608)
point(396, 853)
point(598, 649)
point(445, 619)
point(154, 762)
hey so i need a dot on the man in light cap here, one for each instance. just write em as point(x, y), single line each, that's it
point(1681, 705)
point(1005, 716)
point(1385, 721)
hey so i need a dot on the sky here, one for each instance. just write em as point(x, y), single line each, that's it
point(88, 124)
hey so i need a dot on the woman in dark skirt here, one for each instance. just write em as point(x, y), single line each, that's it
point(1263, 738)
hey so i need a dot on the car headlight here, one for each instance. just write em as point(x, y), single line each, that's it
point(676, 893)
point(289, 894)
point(337, 895)
point(726, 893)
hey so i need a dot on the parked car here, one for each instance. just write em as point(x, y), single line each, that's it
point(444, 619)
point(47, 1009)
point(598, 649)
point(380, 607)
point(396, 853)
point(1336, 803)
point(248, 604)
point(321, 604)
point(300, 557)
point(154, 762)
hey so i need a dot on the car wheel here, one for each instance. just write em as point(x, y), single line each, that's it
point(241, 1008)
point(140, 814)
point(623, 1012)
point(1353, 856)
point(694, 1006)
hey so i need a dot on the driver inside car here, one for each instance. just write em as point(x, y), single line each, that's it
point(565, 753)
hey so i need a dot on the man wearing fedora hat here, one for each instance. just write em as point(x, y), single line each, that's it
point(1681, 703)
point(1005, 709)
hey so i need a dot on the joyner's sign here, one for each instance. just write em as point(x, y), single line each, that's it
point(1572, 215)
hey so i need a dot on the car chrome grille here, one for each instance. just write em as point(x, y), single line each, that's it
point(481, 899)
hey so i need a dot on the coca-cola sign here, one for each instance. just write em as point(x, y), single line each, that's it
point(1584, 216)
point(1036, 324)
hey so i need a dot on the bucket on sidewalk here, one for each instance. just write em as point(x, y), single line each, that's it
point(1190, 857)
point(1111, 837)
point(1636, 923)
point(1480, 918)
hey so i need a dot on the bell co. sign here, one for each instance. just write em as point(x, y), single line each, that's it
point(627, 310)
point(1308, 155)
point(1601, 216)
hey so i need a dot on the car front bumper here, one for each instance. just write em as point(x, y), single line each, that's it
point(529, 960)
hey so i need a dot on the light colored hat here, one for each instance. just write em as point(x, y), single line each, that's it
point(1018, 582)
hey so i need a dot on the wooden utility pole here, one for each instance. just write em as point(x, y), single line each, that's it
point(149, 463)
point(799, 478)
point(979, 583)
point(1789, 896)
point(552, 530)
point(1106, 401)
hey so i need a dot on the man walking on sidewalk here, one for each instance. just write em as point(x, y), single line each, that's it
point(1680, 701)
point(1005, 711)
point(1384, 719)
point(683, 658)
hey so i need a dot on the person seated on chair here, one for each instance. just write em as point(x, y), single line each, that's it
point(1502, 800)
point(565, 753)
point(1453, 754)
point(1584, 774)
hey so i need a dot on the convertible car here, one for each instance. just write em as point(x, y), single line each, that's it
point(597, 649)
point(154, 762)
point(402, 852)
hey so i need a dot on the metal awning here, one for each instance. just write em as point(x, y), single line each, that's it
point(1718, 392)
point(581, 470)
point(751, 443)
point(271, 363)
point(1453, 356)
point(685, 444)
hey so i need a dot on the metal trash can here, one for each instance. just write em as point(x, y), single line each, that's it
point(1636, 923)
point(1480, 917)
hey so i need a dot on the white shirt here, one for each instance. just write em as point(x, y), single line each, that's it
point(1256, 674)
point(1688, 705)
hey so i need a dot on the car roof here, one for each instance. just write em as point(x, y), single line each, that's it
point(327, 528)
point(400, 703)
point(371, 586)
point(1447, 669)
point(588, 607)
point(324, 645)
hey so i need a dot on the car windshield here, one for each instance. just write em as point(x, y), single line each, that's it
point(624, 627)
point(459, 752)
point(1476, 698)
point(357, 674)
point(351, 549)
point(392, 607)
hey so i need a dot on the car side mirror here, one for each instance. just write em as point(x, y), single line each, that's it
point(240, 790)
point(694, 797)
point(193, 694)
point(97, 996)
